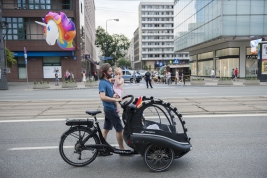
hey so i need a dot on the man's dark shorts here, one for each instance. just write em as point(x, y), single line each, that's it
point(112, 119)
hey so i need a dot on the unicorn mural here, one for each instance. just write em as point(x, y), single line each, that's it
point(57, 27)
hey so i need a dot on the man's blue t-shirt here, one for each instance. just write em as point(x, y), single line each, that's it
point(106, 87)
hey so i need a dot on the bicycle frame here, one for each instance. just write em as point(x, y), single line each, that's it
point(104, 146)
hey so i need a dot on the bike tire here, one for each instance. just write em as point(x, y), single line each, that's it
point(158, 158)
point(71, 149)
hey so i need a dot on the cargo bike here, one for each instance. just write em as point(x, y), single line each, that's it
point(152, 127)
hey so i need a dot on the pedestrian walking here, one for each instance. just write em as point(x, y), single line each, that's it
point(168, 78)
point(182, 77)
point(134, 76)
point(233, 74)
point(176, 76)
point(57, 79)
point(148, 79)
point(84, 77)
point(67, 75)
point(213, 74)
point(236, 73)
point(108, 97)
point(72, 77)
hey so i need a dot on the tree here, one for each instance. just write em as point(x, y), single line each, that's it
point(124, 63)
point(9, 56)
point(115, 45)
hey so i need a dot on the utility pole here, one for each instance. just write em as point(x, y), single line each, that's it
point(3, 83)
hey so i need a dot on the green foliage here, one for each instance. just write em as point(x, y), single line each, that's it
point(197, 79)
point(41, 82)
point(111, 45)
point(9, 56)
point(145, 67)
point(71, 80)
point(225, 78)
point(251, 78)
point(123, 62)
point(90, 80)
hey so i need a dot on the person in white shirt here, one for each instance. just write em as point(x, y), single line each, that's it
point(213, 74)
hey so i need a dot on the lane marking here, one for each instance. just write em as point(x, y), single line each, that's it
point(44, 148)
point(148, 117)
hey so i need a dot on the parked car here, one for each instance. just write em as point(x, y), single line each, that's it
point(142, 72)
point(127, 75)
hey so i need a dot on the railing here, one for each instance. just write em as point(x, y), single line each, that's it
point(166, 21)
point(158, 9)
point(157, 28)
point(156, 40)
point(157, 52)
point(35, 6)
point(146, 15)
point(157, 46)
point(157, 34)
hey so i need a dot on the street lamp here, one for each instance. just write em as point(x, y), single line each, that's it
point(107, 35)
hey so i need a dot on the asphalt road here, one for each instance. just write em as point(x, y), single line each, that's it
point(222, 147)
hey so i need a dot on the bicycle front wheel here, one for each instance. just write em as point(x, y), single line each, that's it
point(73, 151)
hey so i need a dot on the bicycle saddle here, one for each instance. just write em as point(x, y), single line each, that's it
point(93, 112)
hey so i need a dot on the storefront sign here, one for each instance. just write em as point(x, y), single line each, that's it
point(251, 56)
point(49, 71)
point(264, 51)
point(264, 66)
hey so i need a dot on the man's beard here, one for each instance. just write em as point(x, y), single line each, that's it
point(108, 76)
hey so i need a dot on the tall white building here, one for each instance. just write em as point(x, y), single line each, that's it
point(156, 42)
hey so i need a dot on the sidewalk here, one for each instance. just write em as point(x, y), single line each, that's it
point(80, 85)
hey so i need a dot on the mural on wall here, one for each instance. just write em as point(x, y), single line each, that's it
point(57, 27)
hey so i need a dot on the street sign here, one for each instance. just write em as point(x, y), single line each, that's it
point(87, 56)
point(107, 58)
point(176, 61)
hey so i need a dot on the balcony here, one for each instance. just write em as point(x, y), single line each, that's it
point(157, 52)
point(157, 22)
point(157, 10)
point(162, 58)
point(157, 28)
point(55, 4)
point(156, 40)
point(157, 15)
point(157, 46)
point(157, 34)
point(157, 58)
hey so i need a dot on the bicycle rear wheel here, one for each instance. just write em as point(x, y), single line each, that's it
point(73, 151)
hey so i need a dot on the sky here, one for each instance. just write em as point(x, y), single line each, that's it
point(124, 10)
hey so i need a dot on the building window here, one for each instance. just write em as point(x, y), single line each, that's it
point(51, 61)
point(251, 64)
point(22, 68)
point(15, 30)
point(39, 4)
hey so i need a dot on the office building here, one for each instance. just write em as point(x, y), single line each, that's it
point(217, 34)
point(156, 20)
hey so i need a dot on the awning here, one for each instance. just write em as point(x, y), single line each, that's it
point(178, 66)
point(43, 53)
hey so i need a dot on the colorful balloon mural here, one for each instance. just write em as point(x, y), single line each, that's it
point(57, 27)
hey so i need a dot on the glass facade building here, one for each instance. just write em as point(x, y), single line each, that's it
point(221, 28)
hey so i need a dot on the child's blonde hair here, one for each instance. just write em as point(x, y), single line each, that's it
point(117, 70)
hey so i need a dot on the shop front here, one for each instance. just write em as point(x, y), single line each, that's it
point(43, 65)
